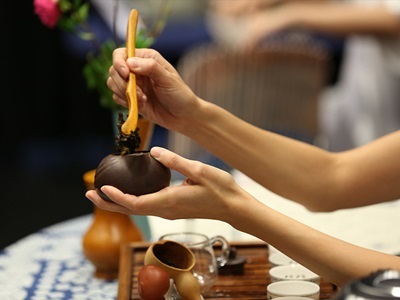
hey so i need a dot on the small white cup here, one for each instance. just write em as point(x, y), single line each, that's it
point(291, 288)
point(280, 259)
point(272, 249)
point(293, 272)
point(293, 298)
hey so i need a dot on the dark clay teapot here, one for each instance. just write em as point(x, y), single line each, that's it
point(136, 173)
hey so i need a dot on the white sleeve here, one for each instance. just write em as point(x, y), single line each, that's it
point(392, 5)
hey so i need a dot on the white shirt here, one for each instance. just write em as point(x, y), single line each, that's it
point(365, 102)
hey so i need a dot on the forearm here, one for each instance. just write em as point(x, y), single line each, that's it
point(333, 259)
point(333, 17)
point(290, 168)
point(318, 179)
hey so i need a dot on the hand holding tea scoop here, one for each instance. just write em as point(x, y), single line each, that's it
point(131, 171)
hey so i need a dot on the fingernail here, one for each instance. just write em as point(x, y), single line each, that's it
point(133, 62)
point(156, 152)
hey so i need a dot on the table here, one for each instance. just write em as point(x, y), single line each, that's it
point(49, 264)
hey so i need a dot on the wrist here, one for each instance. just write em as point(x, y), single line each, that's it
point(197, 119)
point(292, 13)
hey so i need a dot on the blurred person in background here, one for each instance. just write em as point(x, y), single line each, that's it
point(364, 103)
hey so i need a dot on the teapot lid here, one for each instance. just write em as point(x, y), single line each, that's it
point(383, 284)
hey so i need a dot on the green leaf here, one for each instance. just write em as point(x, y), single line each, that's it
point(66, 24)
point(96, 73)
point(65, 5)
point(86, 36)
point(83, 12)
point(77, 3)
point(143, 41)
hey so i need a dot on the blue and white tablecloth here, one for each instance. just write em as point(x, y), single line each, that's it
point(50, 265)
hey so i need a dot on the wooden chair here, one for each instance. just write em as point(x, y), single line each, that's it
point(275, 88)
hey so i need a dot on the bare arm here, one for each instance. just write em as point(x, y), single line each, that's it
point(239, 7)
point(236, 8)
point(333, 259)
point(344, 18)
point(318, 179)
point(330, 17)
point(211, 193)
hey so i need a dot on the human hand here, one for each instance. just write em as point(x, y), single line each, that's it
point(163, 97)
point(265, 23)
point(253, 21)
point(239, 7)
point(208, 192)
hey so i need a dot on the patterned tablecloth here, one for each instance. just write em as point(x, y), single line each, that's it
point(50, 264)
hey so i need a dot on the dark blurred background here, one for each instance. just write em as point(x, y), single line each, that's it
point(53, 128)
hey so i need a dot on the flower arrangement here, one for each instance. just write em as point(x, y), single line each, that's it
point(72, 15)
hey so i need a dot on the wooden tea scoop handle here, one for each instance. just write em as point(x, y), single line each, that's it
point(131, 121)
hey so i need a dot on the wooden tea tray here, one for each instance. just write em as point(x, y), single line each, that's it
point(251, 285)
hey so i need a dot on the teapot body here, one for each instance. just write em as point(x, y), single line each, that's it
point(136, 173)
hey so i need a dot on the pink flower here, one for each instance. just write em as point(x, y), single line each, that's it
point(48, 12)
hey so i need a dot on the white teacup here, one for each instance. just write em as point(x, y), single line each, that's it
point(292, 288)
point(294, 298)
point(280, 259)
point(272, 249)
point(293, 272)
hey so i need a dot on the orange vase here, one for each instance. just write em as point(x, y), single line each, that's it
point(103, 240)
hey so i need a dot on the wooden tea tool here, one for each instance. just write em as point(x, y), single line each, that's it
point(130, 124)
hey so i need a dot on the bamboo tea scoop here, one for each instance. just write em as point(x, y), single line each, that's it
point(130, 124)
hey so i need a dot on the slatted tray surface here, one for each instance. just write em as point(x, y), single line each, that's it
point(251, 285)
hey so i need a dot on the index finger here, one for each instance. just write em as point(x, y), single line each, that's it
point(153, 54)
point(119, 62)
